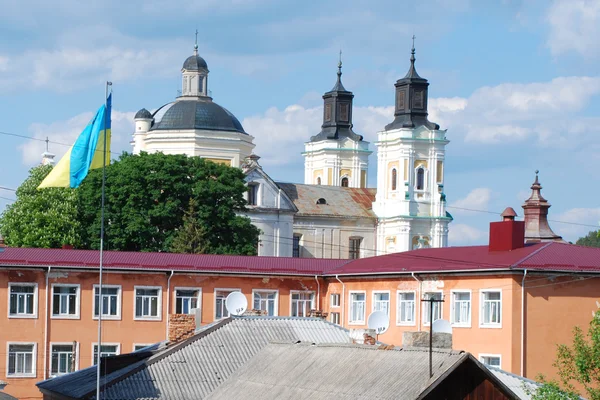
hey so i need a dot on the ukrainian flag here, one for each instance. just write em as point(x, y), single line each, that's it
point(85, 154)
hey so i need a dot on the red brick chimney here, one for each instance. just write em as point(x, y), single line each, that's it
point(536, 216)
point(508, 234)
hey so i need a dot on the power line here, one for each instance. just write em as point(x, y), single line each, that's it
point(6, 188)
point(8, 199)
point(48, 141)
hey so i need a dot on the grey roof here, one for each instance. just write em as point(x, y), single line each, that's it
point(516, 383)
point(200, 113)
point(6, 396)
point(194, 63)
point(143, 113)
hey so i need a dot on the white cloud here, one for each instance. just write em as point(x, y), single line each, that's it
point(477, 199)
point(574, 26)
point(570, 230)
point(461, 234)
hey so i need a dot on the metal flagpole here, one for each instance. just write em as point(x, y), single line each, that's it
point(102, 243)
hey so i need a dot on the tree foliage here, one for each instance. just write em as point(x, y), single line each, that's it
point(191, 237)
point(41, 218)
point(592, 239)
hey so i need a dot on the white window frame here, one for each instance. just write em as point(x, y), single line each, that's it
point(35, 300)
point(499, 356)
point(312, 300)
point(276, 308)
point(199, 300)
point(77, 301)
point(119, 299)
point(332, 304)
point(493, 325)
point(142, 345)
point(104, 344)
point(414, 316)
point(357, 322)
point(33, 360)
point(76, 353)
point(375, 292)
point(158, 316)
point(425, 306)
point(425, 178)
point(466, 324)
point(339, 318)
point(224, 307)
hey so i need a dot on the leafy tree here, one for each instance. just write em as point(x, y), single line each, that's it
point(592, 239)
point(41, 218)
point(191, 238)
point(146, 199)
point(550, 390)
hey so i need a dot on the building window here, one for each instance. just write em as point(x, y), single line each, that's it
point(296, 246)
point(61, 359)
point(302, 303)
point(357, 307)
point(106, 350)
point(381, 302)
point(354, 251)
point(420, 178)
point(186, 300)
point(394, 179)
point(21, 360)
point(491, 308)
point(147, 302)
point(200, 84)
point(23, 300)
point(335, 299)
point(344, 115)
point(318, 180)
point(490, 360)
point(418, 99)
point(406, 308)
point(437, 307)
point(265, 301)
point(138, 347)
point(220, 296)
point(461, 308)
point(111, 302)
point(344, 182)
point(252, 194)
point(65, 301)
point(334, 318)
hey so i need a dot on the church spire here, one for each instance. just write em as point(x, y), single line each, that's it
point(196, 44)
point(194, 75)
point(535, 209)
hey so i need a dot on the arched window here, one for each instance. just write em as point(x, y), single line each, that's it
point(420, 178)
point(321, 201)
point(344, 182)
point(319, 180)
point(394, 179)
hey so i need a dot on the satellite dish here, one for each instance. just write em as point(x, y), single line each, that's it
point(379, 321)
point(441, 326)
point(236, 303)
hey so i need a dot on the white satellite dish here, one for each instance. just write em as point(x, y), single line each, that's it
point(236, 303)
point(379, 321)
point(441, 326)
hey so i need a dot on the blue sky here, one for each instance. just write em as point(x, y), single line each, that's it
point(515, 82)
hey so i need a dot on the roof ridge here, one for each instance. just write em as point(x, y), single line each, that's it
point(527, 257)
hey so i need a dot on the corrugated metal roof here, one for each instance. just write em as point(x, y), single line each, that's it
point(519, 385)
point(340, 201)
point(301, 371)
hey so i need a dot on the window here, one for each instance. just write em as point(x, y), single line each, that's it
point(327, 112)
point(354, 251)
point(302, 303)
point(220, 296)
point(137, 347)
point(491, 308)
point(23, 300)
point(21, 359)
point(147, 302)
point(394, 179)
point(381, 302)
point(461, 308)
point(111, 301)
point(335, 300)
point(200, 84)
point(357, 307)
point(334, 318)
point(321, 201)
point(186, 300)
point(437, 307)
point(344, 112)
point(61, 361)
point(106, 350)
point(406, 308)
point(344, 182)
point(420, 178)
point(265, 300)
point(296, 246)
point(65, 301)
point(252, 194)
point(491, 360)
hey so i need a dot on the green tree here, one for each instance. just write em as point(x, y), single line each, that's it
point(550, 390)
point(146, 199)
point(592, 239)
point(191, 237)
point(41, 218)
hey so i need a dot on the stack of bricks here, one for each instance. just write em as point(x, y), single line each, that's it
point(181, 327)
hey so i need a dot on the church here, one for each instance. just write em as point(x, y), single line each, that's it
point(334, 213)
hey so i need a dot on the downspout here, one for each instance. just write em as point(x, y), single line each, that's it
point(523, 324)
point(46, 326)
point(418, 300)
point(318, 292)
point(168, 302)
point(343, 299)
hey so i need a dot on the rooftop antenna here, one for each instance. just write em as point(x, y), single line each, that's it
point(431, 300)
point(379, 321)
point(236, 303)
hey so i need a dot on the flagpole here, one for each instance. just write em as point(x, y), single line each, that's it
point(102, 242)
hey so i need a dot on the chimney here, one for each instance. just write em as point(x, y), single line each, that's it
point(536, 217)
point(2, 244)
point(181, 327)
point(421, 339)
point(507, 234)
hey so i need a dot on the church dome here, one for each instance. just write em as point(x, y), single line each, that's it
point(143, 114)
point(201, 113)
point(194, 63)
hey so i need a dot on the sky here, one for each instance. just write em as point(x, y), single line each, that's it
point(515, 82)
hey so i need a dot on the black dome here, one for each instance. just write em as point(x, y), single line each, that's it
point(195, 114)
point(194, 63)
point(143, 113)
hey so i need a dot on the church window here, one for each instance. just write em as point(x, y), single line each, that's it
point(354, 248)
point(400, 99)
point(185, 84)
point(319, 180)
point(296, 245)
point(252, 194)
point(344, 182)
point(394, 179)
point(420, 178)
point(418, 99)
point(344, 112)
point(200, 84)
point(327, 112)
point(440, 172)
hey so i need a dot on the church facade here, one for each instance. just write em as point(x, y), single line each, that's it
point(333, 214)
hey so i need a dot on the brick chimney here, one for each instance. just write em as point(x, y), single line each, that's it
point(507, 234)
point(421, 339)
point(536, 217)
point(181, 327)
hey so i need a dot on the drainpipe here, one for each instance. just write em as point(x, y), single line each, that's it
point(523, 324)
point(318, 292)
point(418, 300)
point(343, 299)
point(168, 302)
point(46, 316)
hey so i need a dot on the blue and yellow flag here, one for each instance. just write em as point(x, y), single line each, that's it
point(85, 154)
